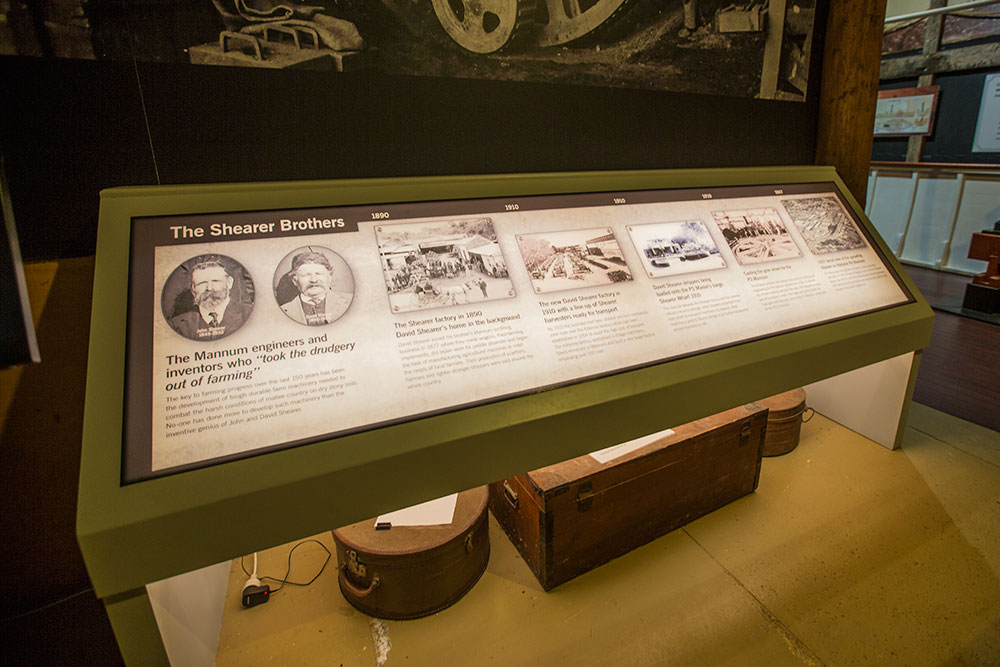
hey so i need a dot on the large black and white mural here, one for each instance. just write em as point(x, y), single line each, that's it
point(756, 49)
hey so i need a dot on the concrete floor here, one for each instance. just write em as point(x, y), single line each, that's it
point(847, 554)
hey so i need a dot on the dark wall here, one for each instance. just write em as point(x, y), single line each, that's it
point(69, 129)
point(73, 127)
point(955, 127)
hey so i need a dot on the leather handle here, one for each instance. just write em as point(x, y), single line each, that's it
point(354, 590)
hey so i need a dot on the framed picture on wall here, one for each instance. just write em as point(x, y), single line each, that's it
point(988, 123)
point(752, 50)
point(906, 112)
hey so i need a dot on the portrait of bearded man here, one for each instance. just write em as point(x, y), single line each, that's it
point(317, 302)
point(216, 312)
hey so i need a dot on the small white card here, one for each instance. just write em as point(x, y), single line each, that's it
point(616, 451)
point(987, 138)
point(437, 512)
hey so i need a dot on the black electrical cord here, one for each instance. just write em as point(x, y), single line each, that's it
point(45, 606)
point(284, 580)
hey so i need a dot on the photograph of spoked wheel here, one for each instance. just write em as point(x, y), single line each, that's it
point(756, 49)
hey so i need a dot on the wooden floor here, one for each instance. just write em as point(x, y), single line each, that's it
point(959, 371)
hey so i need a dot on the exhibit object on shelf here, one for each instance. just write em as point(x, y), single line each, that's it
point(571, 517)
point(983, 293)
point(412, 571)
point(785, 415)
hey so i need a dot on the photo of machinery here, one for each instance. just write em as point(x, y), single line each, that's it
point(442, 263)
point(673, 248)
point(824, 224)
point(756, 235)
point(758, 49)
point(559, 261)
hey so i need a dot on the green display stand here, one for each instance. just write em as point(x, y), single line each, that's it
point(132, 534)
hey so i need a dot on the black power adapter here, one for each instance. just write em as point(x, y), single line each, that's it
point(255, 595)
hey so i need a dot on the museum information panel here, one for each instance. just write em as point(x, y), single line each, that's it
point(252, 331)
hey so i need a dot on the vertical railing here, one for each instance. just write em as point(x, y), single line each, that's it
point(927, 212)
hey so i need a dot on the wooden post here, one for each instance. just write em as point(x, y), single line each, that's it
point(932, 43)
point(849, 87)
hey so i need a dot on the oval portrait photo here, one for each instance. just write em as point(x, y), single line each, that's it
point(207, 297)
point(313, 285)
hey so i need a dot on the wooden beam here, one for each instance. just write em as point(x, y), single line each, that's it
point(932, 44)
point(983, 56)
point(849, 88)
point(932, 33)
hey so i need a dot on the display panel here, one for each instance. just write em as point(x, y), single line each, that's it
point(904, 112)
point(253, 331)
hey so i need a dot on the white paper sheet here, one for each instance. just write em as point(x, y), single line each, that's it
point(437, 512)
point(988, 124)
point(617, 451)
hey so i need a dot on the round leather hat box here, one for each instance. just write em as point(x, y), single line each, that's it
point(784, 421)
point(412, 571)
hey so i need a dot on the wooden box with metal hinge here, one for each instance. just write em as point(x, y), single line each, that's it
point(413, 571)
point(571, 517)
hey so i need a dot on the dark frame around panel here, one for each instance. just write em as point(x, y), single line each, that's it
point(138, 411)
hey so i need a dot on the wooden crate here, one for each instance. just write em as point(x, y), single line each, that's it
point(573, 516)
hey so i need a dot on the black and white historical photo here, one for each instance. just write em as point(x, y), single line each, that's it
point(313, 285)
point(756, 235)
point(824, 224)
point(754, 49)
point(559, 261)
point(442, 263)
point(673, 248)
point(207, 297)
point(759, 48)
